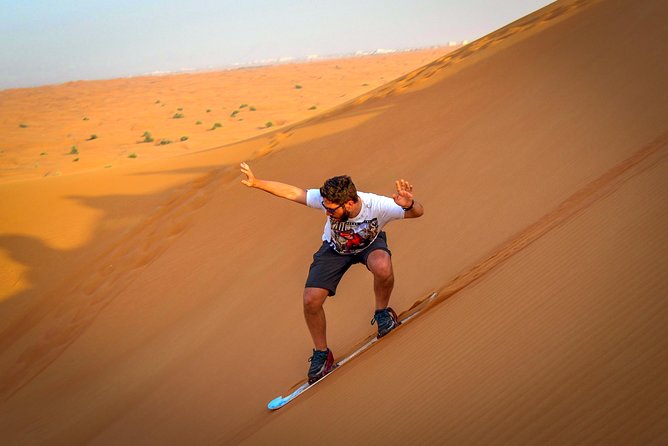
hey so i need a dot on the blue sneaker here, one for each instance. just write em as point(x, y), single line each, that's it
point(386, 320)
point(322, 362)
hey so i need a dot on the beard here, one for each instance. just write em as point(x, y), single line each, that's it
point(344, 216)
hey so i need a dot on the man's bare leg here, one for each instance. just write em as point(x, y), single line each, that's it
point(379, 263)
point(314, 314)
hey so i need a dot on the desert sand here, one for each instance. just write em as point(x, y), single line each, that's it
point(159, 302)
point(86, 125)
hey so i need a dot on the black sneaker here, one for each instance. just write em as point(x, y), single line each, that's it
point(387, 321)
point(322, 362)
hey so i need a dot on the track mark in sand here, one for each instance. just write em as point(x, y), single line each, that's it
point(642, 160)
point(274, 143)
point(105, 278)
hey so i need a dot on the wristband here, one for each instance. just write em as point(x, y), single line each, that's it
point(409, 207)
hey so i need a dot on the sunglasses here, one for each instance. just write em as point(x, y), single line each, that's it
point(330, 210)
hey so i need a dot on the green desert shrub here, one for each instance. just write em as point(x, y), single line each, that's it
point(147, 137)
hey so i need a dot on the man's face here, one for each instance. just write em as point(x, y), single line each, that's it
point(337, 212)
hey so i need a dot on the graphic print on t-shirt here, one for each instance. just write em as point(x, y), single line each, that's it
point(356, 234)
point(352, 237)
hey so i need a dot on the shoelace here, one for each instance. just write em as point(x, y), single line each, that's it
point(384, 319)
point(318, 356)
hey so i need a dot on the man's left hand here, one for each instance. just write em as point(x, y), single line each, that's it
point(404, 195)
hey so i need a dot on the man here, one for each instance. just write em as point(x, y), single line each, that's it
point(353, 234)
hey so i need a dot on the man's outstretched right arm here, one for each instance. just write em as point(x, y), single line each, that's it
point(282, 190)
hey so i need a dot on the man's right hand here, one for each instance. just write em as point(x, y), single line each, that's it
point(282, 190)
point(250, 178)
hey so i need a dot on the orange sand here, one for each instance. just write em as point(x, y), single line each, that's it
point(160, 302)
point(39, 126)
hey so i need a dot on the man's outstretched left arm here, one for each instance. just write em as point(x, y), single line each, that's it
point(404, 198)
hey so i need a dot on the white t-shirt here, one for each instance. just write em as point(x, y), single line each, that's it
point(356, 234)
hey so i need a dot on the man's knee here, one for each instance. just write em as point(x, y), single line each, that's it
point(379, 263)
point(314, 298)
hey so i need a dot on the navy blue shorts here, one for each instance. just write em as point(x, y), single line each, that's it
point(329, 266)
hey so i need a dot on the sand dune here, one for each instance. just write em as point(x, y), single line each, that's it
point(160, 303)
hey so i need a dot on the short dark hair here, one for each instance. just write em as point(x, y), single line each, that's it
point(339, 190)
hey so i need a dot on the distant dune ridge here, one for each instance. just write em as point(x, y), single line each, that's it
point(159, 302)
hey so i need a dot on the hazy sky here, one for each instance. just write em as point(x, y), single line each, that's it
point(54, 41)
